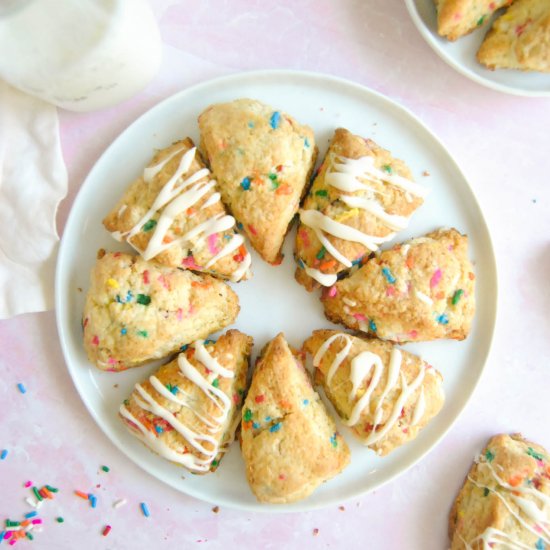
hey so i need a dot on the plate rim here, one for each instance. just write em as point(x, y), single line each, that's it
point(63, 334)
point(431, 39)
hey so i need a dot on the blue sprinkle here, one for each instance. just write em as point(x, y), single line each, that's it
point(245, 184)
point(240, 226)
point(268, 418)
point(118, 299)
point(255, 425)
point(4, 454)
point(158, 429)
point(372, 325)
point(206, 342)
point(387, 273)
point(305, 402)
point(275, 427)
point(174, 390)
point(21, 388)
point(333, 440)
point(145, 509)
point(301, 263)
point(31, 514)
point(443, 319)
point(250, 124)
point(540, 545)
point(93, 500)
point(123, 331)
point(356, 262)
point(184, 347)
point(306, 142)
point(275, 120)
point(227, 237)
point(129, 296)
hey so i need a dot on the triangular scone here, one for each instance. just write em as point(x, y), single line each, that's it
point(361, 197)
point(137, 311)
point(505, 499)
point(262, 159)
point(456, 18)
point(519, 39)
point(384, 394)
point(173, 214)
point(420, 290)
point(188, 410)
point(289, 442)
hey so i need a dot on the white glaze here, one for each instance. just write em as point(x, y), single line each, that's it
point(340, 356)
point(325, 279)
point(419, 408)
point(423, 297)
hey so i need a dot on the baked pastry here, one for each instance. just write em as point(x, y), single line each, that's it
point(386, 395)
point(136, 311)
point(289, 442)
point(173, 214)
point(456, 18)
point(362, 196)
point(262, 159)
point(419, 290)
point(505, 499)
point(188, 410)
point(519, 39)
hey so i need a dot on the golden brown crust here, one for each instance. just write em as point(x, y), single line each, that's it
point(417, 410)
point(419, 290)
point(327, 199)
point(137, 311)
point(509, 478)
point(262, 159)
point(519, 39)
point(289, 442)
point(231, 351)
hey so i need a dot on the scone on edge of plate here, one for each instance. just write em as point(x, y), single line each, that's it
point(262, 159)
point(361, 197)
point(457, 18)
point(385, 395)
point(519, 39)
point(290, 444)
point(137, 311)
point(505, 499)
point(188, 410)
point(419, 290)
point(172, 214)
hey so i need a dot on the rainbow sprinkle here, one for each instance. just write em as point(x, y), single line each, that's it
point(145, 509)
point(21, 388)
point(106, 531)
point(3, 454)
point(456, 296)
point(105, 468)
point(443, 319)
point(436, 277)
point(275, 428)
point(245, 184)
point(388, 274)
point(275, 120)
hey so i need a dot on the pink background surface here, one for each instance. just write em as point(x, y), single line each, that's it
point(502, 144)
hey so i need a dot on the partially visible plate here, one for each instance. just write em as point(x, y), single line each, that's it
point(461, 55)
point(272, 301)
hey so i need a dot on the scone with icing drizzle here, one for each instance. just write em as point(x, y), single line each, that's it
point(386, 395)
point(416, 291)
point(173, 214)
point(262, 159)
point(188, 410)
point(289, 442)
point(519, 39)
point(456, 18)
point(505, 499)
point(136, 311)
point(362, 196)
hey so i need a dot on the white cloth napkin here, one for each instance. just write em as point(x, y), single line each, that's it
point(33, 180)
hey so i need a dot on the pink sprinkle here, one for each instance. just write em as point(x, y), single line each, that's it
point(252, 229)
point(236, 398)
point(189, 262)
point(212, 239)
point(12, 542)
point(413, 334)
point(332, 291)
point(436, 277)
point(146, 277)
point(537, 528)
point(191, 310)
point(457, 16)
point(7, 535)
point(179, 314)
point(111, 361)
point(390, 291)
point(36, 521)
point(95, 340)
point(304, 236)
point(162, 280)
point(27, 484)
point(282, 476)
point(492, 6)
point(359, 317)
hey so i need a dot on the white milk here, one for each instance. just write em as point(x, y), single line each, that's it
point(79, 54)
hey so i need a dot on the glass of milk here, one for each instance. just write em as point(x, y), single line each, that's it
point(80, 55)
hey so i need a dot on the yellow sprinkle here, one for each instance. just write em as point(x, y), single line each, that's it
point(112, 283)
point(345, 215)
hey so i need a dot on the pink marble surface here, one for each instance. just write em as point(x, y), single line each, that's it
point(501, 143)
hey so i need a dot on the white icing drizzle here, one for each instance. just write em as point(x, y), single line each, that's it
point(393, 221)
point(214, 198)
point(325, 279)
point(151, 171)
point(423, 297)
point(419, 408)
point(213, 423)
point(340, 356)
point(405, 249)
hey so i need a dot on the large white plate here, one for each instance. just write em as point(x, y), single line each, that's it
point(273, 301)
point(461, 55)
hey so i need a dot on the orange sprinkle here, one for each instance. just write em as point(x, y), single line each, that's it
point(46, 492)
point(198, 284)
point(284, 189)
point(247, 425)
point(167, 239)
point(471, 276)
point(81, 495)
point(409, 262)
point(25, 523)
point(242, 250)
point(190, 211)
point(515, 480)
point(440, 295)
point(327, 264)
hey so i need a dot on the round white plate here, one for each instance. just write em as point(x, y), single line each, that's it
point(272, 301)
point(461, 55)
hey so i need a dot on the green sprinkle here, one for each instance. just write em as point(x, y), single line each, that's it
point(52, 489)
point(240, 391)
point(534, 454)
point(387, 168)
point(456, 296)
point(29, 535)
point(321, 254)
point(59, 519)
point(216, 382)
point(215, 463)
point(486, 492)
point(247, 415)
point(489, 456)
point(143, 333)
point(272, 176)
point(321, 193)
point(333, 440)
point(480, 21)
point(37, 494)
point(143, 299)
point(274, 184)
point(149, 225)
point(10, 523)
point(126, 402)
point(105, 468)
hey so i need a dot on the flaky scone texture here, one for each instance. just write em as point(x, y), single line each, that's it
point(378, 208)
point(289, 442)
point(172, 214)
point(456, 18)
point(519, 39)
point(136, 311)
point(262, 159)
point(505, 499)
point(384, 394)
point(419, 290)
point(188, 410)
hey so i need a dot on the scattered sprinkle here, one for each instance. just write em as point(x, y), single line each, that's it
point(275, 120)
point(119, 503)
point(333, 440)
point(93, 500)
point(387, 168)
point(145, 509)
point(27, 484)
point(123, 331)
point(105, 468)
point(259, 398)
point(306, 142)
point(332, 292)
point(456, 296)
point(534, 454)
point(443, 319)
point(247, 415)
point(216, 509)
point(143, 333)
point(372, 325)
point(216, 382)
point(305, 402)
point(489, 455)
point(315, 532)
point(480, 21)
point(3, 454)
point(106, 530)
point(113, 283)
point(245, 184)
point(143, 299)
point(388, 274)
point(436, 277)
point(275, 428)
point(250, 124)
point(341, 508)
point(321, 254)
point(321, 193)
point(31, 514)
point(149, 225)
point(59, 519)
point(486, 492)
point(425, 173)
point(21, 388)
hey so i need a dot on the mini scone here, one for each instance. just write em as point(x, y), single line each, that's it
point(416, 291)
point(361, 197)
point(386, 395)
point(136, 311)
point(289, 442)
point(505, 499)
point(173, 214)
point(456, 18)
point(188, 410)
point(262, 159)
point(519, 39)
